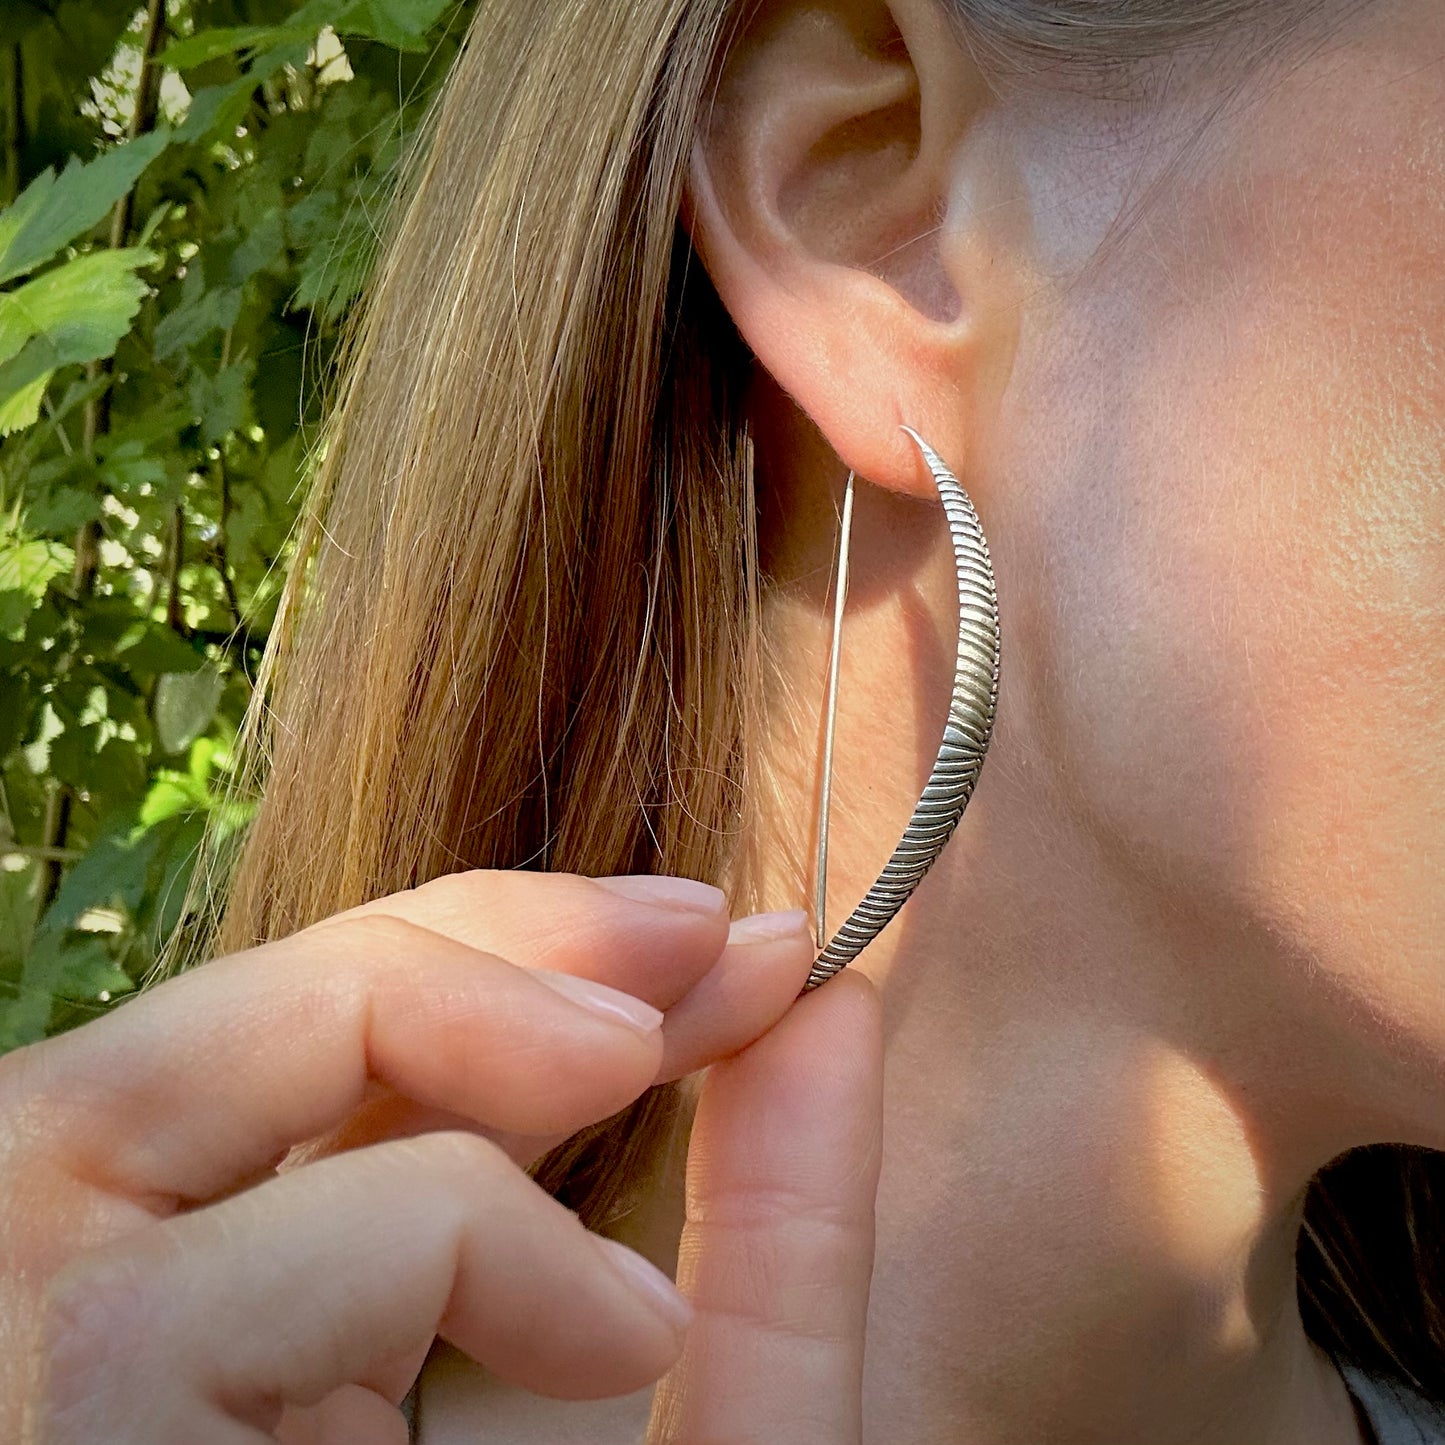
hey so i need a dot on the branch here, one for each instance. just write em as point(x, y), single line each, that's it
point(57, 826)
point(46, 855)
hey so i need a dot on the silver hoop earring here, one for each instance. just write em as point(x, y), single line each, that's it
point(966, 733)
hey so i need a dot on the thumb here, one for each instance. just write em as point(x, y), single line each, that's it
point(777, 1251)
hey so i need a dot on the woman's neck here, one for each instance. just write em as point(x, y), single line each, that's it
point(1082, 1233)
point(1100, 1110)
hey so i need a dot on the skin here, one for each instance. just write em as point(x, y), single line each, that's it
point(1187, 946)
point(1184, 950)
point(241, 1207)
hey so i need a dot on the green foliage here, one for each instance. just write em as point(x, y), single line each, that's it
point(168, 304)
point(52, 213)
point(74, 313)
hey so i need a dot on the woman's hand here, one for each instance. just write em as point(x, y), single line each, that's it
point(777, 1252)
point(161, 1281)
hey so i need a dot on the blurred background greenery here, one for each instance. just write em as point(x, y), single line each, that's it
point(189, 196)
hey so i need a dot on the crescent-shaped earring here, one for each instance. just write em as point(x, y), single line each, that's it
point(966, 733)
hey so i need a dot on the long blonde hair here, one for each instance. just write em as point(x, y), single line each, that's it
point(523, 626)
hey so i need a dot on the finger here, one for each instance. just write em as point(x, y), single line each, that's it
point(753, 984)
point(352, 1415)
point(590, 927)
point(217, 1073)
point(777, 1252)
point(390, 1380)
point(710, 1015)
point(312, 1281)
point(744, 994)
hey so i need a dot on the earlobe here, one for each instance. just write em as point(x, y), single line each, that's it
point(819, 202)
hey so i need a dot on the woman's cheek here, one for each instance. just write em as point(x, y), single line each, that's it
point(1237, 635)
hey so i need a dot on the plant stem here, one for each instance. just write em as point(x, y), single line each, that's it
point(48, 855)
point(223, 547)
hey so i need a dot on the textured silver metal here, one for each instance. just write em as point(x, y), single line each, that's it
point(966, 733)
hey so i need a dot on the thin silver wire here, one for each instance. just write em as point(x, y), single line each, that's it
point(966, 732)
point(825, 791)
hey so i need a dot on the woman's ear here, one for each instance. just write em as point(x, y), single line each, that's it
point(830, 201)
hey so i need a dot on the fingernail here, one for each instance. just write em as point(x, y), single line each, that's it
point(767, 927)
point(611, 1003)
point(650, 1282)
point(667, 892)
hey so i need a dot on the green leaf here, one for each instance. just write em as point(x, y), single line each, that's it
point(261, 247)
point(185, 705)
point(170, 880)
point(211, 45)
point(107, 621)
point(170, 795)
point(25, 1018)
point(111, 875)
point(198, 316)
point(150, 649)
point(217, 110)
point(65, 509)
point(130, 466)
point(15, 607)
point(27, 567)
point(73, 313)
point(17, 707)
point(119, 774)
point(86, 969)
point(402, 24)
point(22, 407)
point(96, 295)
point(335, 267)
point(26, 570)
point(52, 212)
point(18, 881)
point(73, 757)
point(222, 403)
point(265, 204)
